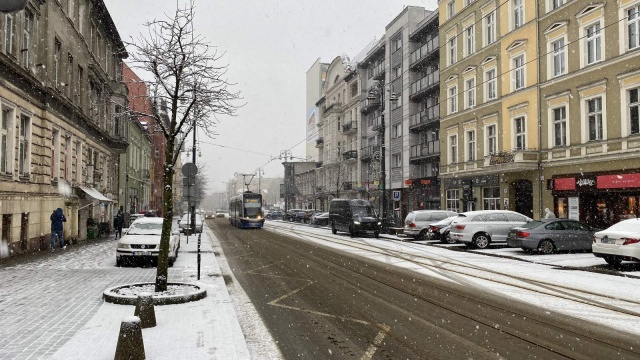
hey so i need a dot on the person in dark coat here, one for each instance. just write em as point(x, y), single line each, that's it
point(118, 223)
point(57, 219)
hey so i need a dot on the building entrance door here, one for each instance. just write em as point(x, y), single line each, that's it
point(524, 197)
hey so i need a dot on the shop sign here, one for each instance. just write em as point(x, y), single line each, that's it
point(585, 183)
point(425, 181)
point(619, 181)
point(408, 182)
point(485, 180)
point(574, 208)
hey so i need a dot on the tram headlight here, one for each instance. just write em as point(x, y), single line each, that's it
point(259, 217)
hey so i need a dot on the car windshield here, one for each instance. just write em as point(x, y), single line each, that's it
point(363, 210)
point(145, 228)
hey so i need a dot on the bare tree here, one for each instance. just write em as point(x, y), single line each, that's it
point(186, 76)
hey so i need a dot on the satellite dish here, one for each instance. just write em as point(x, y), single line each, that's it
point(11, 6)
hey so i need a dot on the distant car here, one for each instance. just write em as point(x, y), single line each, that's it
point(417, 222)
point(134, 217)
point(621, 241)
point(185, 223)
point(222, 214)
point(275, 215)
point(440, 230)
point(484, 227)
point(142, 241)
point(551, 235)
point(299, 216)
point(320, 219)
point(291, 214)
point(209, 215)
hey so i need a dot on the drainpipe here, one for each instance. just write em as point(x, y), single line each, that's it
point(540, 178)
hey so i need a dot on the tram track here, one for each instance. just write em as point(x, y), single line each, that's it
point(567, 325)
point(598, 300)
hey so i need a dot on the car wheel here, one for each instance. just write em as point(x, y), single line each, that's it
point(171, 260)
point(118, 262)
point(546, 247)
point(351, 231)
point(333, 228)
point(613, 261)
point(481, 241)
point(422, 235)
point(447, 238)
point(376, 234)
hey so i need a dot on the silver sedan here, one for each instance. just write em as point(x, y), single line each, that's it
point(550, 235)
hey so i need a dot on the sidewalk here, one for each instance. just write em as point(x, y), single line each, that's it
point(205, 329)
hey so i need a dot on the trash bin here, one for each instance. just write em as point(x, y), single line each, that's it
point(92, 232)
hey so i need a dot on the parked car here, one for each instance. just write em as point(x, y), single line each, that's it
point(307, 215)
point(142, 241)
point(320, 219)
point(291, 214)
point(550, 235)
point(417, 222)
point(484, 227)
point(274, 215)
point(440, 230)
point(185, 223)
point(621, 241)
point(354, 216)
point(299, 216)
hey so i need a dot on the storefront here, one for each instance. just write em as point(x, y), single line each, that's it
point(473, 193)
point(598, 200)
point(422, 194)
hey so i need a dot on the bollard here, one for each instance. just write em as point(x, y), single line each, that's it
point(145, 311)
point(130, 345)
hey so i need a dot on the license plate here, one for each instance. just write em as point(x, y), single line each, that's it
point(141, 253)
point(608, 241)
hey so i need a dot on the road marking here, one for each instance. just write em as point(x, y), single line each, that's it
point(371, 350)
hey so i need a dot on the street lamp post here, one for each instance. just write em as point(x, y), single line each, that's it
point(383, 181)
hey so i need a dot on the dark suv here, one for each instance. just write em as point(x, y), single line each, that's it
point(354, 216)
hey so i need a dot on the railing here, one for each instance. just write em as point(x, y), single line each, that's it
point(377, 123)
point(378, 70)
point(349, 127)
point(424, 50)
point(425, 116)
point(351, 154)
point(427, 149)
point(515, 155)
point(370, 105)
point(335, 105)
point(426, 82)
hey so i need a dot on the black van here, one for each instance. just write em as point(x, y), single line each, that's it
point(354, 216)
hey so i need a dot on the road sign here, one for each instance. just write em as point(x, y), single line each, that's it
point(395, 195)
point(189, 169)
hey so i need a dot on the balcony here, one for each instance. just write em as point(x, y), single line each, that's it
point(370, 106)
point(514, 158)
point(327, 109)
point(349, 128)
point(421, 120)
point(369, 152)
point(347, 185)
point(425, 53)
point(378, 71)
point(320, 142)
point(424, 86)
point(350, 155)
point(377, 124)
point(424, 151)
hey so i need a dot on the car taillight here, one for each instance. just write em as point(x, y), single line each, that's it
point(629, 241)
point(522, 234)
point(433, 228)
point(412, 225)
point(460, 227)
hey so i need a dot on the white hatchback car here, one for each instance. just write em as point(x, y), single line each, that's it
point(621, 241)
point(142, 241)
point(484, 227)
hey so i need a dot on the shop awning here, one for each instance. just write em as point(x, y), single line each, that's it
point(94, 193)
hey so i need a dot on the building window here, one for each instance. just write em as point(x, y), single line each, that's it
point(490, 80)
point(490, 28)
point(451, 9)
point(491, 198)
point(453, 200)
point(492, 140)
point(470, 46)
point(56, 61)
point(560, 126)
point(23, 147)
point(594, 43)
point(470, 93)
point(27, 31)
point(471, 145)
point(453, 149)
point(55, 154)
point(69, 74)
point(78, 165)
point(594, 118)
point(634, 111)
point(518, 72)
point(397, 72)
point(397, 131)
point(397, 44)
point(520, 133)
point(67, 158)
point(556, 4)
point(633, 27)
point(6, 153)
point(518, 14)
point(8, 33)
point(397, 160)
point(558, 57)
point(452, 50)
point(453, 100)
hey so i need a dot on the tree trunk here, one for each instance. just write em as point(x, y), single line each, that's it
point(167, 214)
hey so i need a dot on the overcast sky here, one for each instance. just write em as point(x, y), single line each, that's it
point(269, 47)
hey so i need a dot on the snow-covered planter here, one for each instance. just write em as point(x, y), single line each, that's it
point(176, 293)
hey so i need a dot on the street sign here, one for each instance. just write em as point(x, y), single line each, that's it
point(189, 169)
point(395, 195)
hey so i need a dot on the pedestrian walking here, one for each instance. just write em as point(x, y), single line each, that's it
point(118, 223)
point(549, 214)
point(57, 219)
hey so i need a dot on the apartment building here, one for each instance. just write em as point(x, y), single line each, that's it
point(62, 129)
point(489, 107)
point(589, 95)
